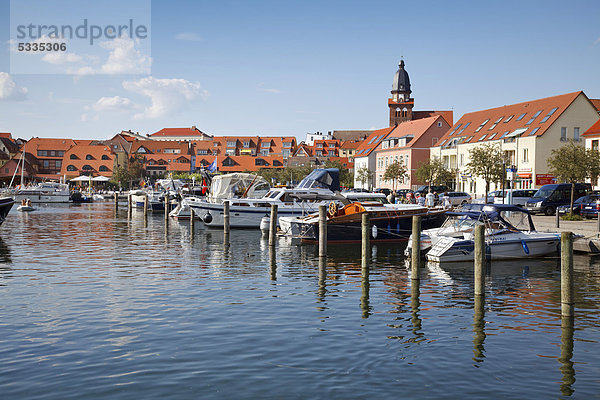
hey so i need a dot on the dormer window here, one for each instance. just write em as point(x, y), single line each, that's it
point(247, 144)
point(89, 157)
point(265, 144)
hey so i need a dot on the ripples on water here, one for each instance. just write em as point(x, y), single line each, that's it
point(98, 305)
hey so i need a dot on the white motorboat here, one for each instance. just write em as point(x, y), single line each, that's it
point(45, 192)
point(319, 187)
point(183, 209)
point(509, 234)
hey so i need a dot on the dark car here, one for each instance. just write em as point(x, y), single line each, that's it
point(589, 207)
point(424, 189)
point(385, 191)
point(576, 204)
point(548, 197)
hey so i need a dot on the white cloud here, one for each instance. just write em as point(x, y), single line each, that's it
point(115, 104)
point(9, 89)
point(124, 58)
point(167, 95)
point(262, 88)
point(189, 36)
point(61, 58)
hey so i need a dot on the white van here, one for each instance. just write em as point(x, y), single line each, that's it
point(517, 197)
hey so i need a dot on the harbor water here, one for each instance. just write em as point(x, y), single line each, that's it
point(102, 304)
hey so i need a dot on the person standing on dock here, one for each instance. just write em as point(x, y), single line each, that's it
point(430, 199)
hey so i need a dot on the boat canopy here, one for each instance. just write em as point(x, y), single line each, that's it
point(236, 185)
point(325, 178)
point(170, 184)
point(510, 215)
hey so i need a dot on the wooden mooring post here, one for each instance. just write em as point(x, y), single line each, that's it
point(566, 273)
point(226, 218)
point(479, 260)
point(416, 248)
point(129, 202)
point(145, 206)
point(116, 200)
point(192, 222)
point(166, 208)
point(322, 231)
point(273, 225)
point(366, 241)
point(557, 219)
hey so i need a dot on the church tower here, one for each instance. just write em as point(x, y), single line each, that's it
point(401, 104)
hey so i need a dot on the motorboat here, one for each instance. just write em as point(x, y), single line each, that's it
point(183, 210)
point(457, 223)
point(6, 204)
point(44, 192)
point(290, 225)
point(387, 223)
point(25, 206)
point(319, 187)
point(509, 234)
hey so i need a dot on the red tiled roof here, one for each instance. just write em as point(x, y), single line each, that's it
point(6, 135)
point(350, 144)
point(246, 163)
point(193, 131)
point(416, 128)
point(593, 130)
point(596, 103)
point(76, 158)
point(509, 119)
point(370, 143)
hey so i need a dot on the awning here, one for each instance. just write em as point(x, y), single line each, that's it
point(516, 132)
point(101, 179)
point(81, 178)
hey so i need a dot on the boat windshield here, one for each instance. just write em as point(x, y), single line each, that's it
point(517, 219)
point(460, 222)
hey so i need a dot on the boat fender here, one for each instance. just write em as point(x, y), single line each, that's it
point(207, 218)
point(525, 248)
point(374, 231)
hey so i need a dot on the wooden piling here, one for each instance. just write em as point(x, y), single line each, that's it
point(566, 273)
point(598, 219)
point(273, 225)
point(192, 222)
point(416, 247)
point(272, 263)
point(116, 200)
point(322, 231)
point(226, 217)
point(145, 205)
point(166, 208)
point(557, 219)
point(129, 202)
point(480, 260)
point(366, 240)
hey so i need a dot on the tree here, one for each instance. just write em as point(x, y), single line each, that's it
point(395, 172)
point(433, 172)
point(572, 163)
point(364, 175)
point(346, 178)
point(487, 162)
point(133, 171)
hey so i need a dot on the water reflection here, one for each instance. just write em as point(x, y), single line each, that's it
point(272, 263)
point(365, 286)
point(566, 354)
point(415, 304)
point(479, 329)
point(322, 291)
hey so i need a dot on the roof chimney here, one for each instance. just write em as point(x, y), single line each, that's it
point(193, 127)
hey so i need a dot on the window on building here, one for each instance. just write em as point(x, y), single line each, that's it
point(504, 134)
point(549, 115)
point(495, 123)
point(60, 153)
point(576, 134)
point(216, 144)
point(228, 162)
point(105, 157)
point(454, 130)
point(52, 153)
point(482, 125)
point(58, 163)
point(89, 157)
point(265, 144)
point(468, 139)
point(285, 152)
point(508, 118)
point(87, 167)
point(319, 153)
point(46, 164)
point(6, 170)
point(525, 155)
point(534, 117)
point(202, 152)
point(463, 128)
point(482, 138)
point(264, 152)
point(563, 133)
point(331, 145)
point(71, 168)
point(287, 144)
point(260, 162)
point(103, 168)
point(521, 116)
point(42, 153)
point(443, 141)
point(246, 143)
point(319, 145)
point(493, 135)
point(462, 159)
point(595, 145)
point(73, 157)
point(534, 131)
point(331, 153)
point(231, 143)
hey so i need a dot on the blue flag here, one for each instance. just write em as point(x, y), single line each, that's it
point(212, 166)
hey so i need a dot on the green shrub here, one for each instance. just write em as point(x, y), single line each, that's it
point(569, 217)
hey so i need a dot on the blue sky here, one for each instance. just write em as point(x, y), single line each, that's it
point(287, 68)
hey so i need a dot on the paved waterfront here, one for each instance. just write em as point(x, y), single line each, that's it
point(587, 227)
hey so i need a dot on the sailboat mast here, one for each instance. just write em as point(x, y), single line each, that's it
point(22, 165)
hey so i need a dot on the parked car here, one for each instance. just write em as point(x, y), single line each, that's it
point(424, 189)
point(456, 198)
point(589, 206)
point(490, 197)
point(550, 196)
point(587, 199)
point(385, 191)
point(517, 197)
point(403, 192)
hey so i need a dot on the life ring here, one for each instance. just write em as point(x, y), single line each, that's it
point(525, 247)
point(332, 209)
